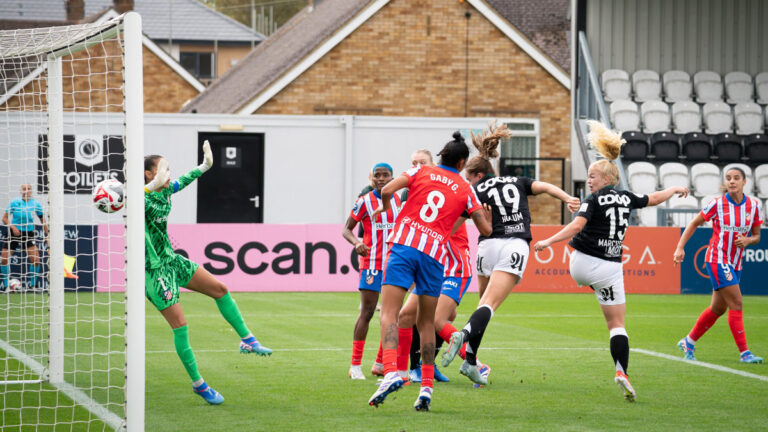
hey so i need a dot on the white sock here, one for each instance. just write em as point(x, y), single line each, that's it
point(689, 340)
point(198, 383)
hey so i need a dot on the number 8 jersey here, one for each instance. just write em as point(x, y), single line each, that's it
point(607, 213)
point(437, 196)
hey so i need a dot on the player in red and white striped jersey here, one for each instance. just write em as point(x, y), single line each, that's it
point(437, 196)
point(734, 217)
point(372, 251)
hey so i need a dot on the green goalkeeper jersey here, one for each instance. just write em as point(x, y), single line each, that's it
point(157, 206)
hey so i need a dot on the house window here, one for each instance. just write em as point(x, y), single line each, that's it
point(522, 144)
point(199, 64)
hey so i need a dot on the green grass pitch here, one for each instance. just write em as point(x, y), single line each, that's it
point(551, 370)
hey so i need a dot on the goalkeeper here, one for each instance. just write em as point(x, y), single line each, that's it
point(166, 271)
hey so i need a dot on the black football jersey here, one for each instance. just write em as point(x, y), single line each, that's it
point(508, 198)
point(607, 212)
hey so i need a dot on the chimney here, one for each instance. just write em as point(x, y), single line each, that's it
point(75, 10)
point(123, 6)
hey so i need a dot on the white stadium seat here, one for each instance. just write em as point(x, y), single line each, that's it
point(706, 199)
point(717, 118)
point(656, 116)
point(648, 215)
point(686, 116)
point(761, 87)
point(677, 86)
point(738, 87)
point(705, 179)
point(624, 116)
point(647, 85)
point(615, 84)
point(761, 181)
point(708, 86)
point(747, 170)
point(748, 117)
point(673, 174)
point(642, 177)
point(689, 203)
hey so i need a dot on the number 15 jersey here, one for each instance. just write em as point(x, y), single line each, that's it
point(607, 213)
point(437, 196)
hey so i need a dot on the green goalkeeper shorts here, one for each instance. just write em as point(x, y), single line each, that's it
point(162, 283)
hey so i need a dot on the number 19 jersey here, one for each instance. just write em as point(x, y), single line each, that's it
point(437, 196)
point(508, 198)
point(607, 213)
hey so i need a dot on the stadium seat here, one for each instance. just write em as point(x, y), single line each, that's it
point(688, 203)
point(642, 177)
point(706, 199)
point(625, 116)
point(648, 215)
point(656, 116)
point(615, 84)
point(761, 87)
point(686, 116)
point(636, 147)
point(647, 85)
point(665, 146)
point(705, 179)
point(677, 86)
point(747, 170)
point(761, 181)
point(717, 118)
point(756, 149)
point(727, 148)
point(748, 117)
point(738, 87)
point(696, 147)
point(674, 174)
point(708, 86)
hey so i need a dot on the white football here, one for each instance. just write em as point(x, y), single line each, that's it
point(14, 285)
point(108, 196)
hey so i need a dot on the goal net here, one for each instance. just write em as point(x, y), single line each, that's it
point(72, 300)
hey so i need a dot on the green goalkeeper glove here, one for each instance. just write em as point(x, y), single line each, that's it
point(207, 157)
point(162, 175)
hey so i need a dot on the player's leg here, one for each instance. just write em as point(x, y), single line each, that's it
point(368, 300)
point(717, 307)
point(732, 297)
point(619, 345)
point(5, 269)
point(482, 284)
point(406, 320)
point(426, 323)
point(33, 255)
point(200, 280)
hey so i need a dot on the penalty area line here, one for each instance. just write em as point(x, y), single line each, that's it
point(701, 364)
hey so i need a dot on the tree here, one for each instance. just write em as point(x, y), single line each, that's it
point(240, 10)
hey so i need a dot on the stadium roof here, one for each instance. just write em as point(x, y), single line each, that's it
point(181, 20)
point(304, 39)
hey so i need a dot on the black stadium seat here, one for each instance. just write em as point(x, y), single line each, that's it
point(696, 147)
point(665, 147)
point(728, 148)
point(636, 147)
point(756, 148)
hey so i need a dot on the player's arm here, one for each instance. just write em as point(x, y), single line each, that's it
point(360, 247)
point(742, 241)
point(692, 225)
point(5, 218)
point(483, 221)
point(659, 197)
point(185, 180)
point(538, 187)
point(458, 223)
point(568, 231)
point(6, 221)
point(387, 192)
point(162, 175)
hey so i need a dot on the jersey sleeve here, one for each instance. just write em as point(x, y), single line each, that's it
point(710, 210)
point(359, 210)
point(473, 202)
point(637, 200)
point(587, 208)
point(185, 180)
point(527, 183)
point(759, 218)
point(411, 173)
point(38, 209)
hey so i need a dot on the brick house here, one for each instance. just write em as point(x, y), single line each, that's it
point(417, 58)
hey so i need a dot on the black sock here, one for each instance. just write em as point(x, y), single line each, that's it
point(620, 352)
point(474, 330)
point(438, 343)
point(415, 349)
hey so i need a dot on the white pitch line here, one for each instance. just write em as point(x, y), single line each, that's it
point(347, 349)
point(702, 364)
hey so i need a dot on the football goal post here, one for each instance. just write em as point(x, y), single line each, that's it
point(72, 277)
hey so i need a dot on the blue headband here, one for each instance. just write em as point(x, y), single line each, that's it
point(382, 165)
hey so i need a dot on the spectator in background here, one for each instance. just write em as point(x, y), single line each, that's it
point(19, 218)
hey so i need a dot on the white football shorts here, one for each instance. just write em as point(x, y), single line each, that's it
point(509, 255)
point(605, 277)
